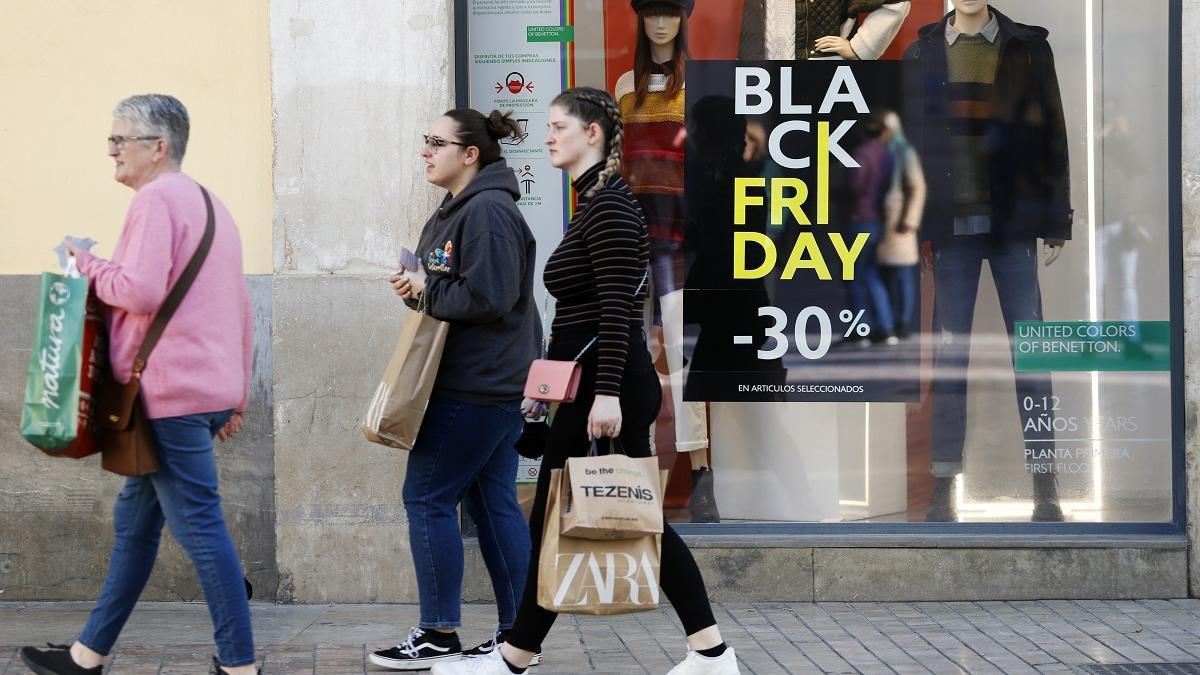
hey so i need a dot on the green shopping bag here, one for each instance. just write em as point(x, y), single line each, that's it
point(67, 346)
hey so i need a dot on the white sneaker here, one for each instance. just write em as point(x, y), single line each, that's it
point(698, 664)
point(488, 664)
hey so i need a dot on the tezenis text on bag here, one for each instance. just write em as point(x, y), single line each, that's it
point(779, 194)
point(640, 493)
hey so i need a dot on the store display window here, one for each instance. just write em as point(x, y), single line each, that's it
point(912, 262)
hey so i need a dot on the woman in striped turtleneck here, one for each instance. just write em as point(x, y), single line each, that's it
point(597, 276)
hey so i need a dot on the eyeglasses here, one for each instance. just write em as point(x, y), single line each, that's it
point(118, 142)
point(437, 142)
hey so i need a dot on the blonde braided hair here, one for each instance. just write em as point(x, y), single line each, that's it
point(591, 105)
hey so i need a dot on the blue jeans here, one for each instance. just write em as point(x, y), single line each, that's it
point(902, 283)
point(867, 291)
point(464, 453)
point(183, 493)
point(957, 264)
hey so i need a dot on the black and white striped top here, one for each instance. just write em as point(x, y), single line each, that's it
point(596, 270)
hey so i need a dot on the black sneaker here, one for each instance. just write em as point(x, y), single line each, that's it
point(215, 668)
point(420, 651)
point(55, 661)
point(490, 646)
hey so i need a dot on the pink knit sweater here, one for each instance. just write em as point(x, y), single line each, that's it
point(202, 363)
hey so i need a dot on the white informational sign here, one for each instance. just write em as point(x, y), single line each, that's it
point(527, 470)
point(509, 72)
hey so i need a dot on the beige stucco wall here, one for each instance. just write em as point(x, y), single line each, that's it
point(65, 64)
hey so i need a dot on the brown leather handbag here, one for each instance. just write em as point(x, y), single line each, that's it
point(127, 446)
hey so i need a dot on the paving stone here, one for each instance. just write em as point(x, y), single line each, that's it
point(1014, 638)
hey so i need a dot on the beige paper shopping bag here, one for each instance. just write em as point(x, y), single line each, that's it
point(590, 576)
point(394, 416)
point(611, 496)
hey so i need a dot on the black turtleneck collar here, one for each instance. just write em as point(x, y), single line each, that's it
point(587, 179)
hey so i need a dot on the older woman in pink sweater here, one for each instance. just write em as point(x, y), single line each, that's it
point(194, 388)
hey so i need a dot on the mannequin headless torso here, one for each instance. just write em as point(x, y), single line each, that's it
point(802, 29)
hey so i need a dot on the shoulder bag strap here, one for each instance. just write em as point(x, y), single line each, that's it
point(178, 291)
point(596, 339)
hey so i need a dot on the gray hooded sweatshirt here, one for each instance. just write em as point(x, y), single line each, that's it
point(480, 254)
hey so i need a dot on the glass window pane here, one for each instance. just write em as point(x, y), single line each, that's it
point(1004, 377)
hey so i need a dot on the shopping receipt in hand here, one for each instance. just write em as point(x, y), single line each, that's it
point(85, 243)
point(411, 264)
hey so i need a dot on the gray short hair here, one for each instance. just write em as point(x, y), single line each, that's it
point(158, 114)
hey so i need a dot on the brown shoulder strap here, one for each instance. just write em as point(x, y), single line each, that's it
point(178, 291)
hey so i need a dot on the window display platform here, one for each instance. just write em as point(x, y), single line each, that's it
point(942, 568)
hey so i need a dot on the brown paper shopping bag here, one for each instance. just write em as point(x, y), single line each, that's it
point(589, 576)
point(394, 416)
point(611, 496)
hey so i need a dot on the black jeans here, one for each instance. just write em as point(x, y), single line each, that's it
point(641, 397)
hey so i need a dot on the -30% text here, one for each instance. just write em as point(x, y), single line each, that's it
point(853, 323)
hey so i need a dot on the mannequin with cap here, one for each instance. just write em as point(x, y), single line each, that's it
point(651, 99)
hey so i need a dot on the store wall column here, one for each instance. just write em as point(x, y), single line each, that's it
point(1191, 273)
point(353, 91)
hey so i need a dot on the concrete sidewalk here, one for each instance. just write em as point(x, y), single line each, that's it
point(970, 637)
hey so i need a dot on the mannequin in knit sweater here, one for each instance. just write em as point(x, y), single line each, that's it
point(651, 99)
point(1000, 80)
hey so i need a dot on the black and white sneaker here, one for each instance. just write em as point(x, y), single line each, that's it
point(490, 646)
point(420, 651)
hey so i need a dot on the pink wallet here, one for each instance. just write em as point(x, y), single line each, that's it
point(553, 381)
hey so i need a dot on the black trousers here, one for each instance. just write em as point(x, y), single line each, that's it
point(641, 397)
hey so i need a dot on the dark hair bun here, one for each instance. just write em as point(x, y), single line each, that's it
point(502, 125)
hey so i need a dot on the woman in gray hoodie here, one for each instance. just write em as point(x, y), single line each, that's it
point(477, 258)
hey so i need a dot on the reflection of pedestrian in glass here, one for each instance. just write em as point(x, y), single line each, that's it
point(986, 113)
point(723, 306)
point(1125, 230)
point(902, 209)
point(869, 183)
